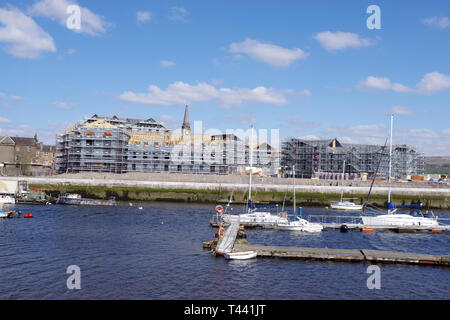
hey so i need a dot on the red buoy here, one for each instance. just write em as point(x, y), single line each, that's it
point(28, 215)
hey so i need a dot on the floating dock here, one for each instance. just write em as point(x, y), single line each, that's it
point(348, 223)
point(339, 255)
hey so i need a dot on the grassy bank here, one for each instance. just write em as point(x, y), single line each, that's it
point(221, 196)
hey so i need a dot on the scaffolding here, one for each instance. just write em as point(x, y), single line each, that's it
point(101, 144)
point(325, 159)
point(94, 147)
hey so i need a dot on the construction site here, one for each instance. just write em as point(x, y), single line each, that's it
point(113, 145)
point(325, 159)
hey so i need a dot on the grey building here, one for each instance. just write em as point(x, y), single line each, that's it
point(325, 159)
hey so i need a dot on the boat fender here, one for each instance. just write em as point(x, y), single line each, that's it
point(221, 232)
point(344, 228)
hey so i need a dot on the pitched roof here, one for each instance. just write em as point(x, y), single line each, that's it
point(24, 141)
point(5, 140)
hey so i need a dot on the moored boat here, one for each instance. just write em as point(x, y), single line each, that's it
point(76, 199)
point(346, 205)
point(300, 225)
point(240, 255)
point(7, 199)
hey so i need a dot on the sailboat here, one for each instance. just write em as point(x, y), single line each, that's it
point(253, 216)
point(393, 219)
point(299, 224)
point(345, 205)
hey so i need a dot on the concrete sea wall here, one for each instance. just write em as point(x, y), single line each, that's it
point(217, 189)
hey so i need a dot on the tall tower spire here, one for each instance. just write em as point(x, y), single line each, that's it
point(186, 128)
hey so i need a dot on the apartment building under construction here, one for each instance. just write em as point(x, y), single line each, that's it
point(326, 158)
point(111, 144)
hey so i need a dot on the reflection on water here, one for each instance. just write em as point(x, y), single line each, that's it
point(156, 253)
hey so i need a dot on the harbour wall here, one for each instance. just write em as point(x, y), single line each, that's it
point(218, 192)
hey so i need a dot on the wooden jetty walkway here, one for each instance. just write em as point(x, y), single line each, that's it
point(340, 255)
point(372, 256)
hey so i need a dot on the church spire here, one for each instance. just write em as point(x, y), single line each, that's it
point(186, 128)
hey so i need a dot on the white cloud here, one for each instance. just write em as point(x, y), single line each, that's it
point(341, 40)
point(433, 82)
point(2, 95)
point(24, 38)
point(71, 51)
point(309, 137)
point(401, 110)
point(4, 120)
point(177, 93)
point(63, 105)
point(236, 97)
point(439, 22)
point(144, 16)
point(180, 93)
point(91, 23)
point(268, 53)
point(382, 84)
point(166, 63)
point(179, 14)
point(17, 98)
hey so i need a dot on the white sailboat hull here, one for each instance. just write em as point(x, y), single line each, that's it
point(265, 219)
point(399, 220)
point(346, 206)
point(300, 225)
point(7, 199)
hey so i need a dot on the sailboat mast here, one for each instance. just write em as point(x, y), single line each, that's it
point(293, 174)
point(390, 162)
point(342, 181)
point(251, 165)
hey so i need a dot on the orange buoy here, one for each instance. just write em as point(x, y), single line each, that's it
point(436, 230)
point(221, 232)
point(367, 230)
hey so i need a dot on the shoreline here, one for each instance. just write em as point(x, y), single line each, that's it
point(221, 196)
point(190, 188)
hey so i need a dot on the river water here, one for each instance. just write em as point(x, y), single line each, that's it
point(156, 253)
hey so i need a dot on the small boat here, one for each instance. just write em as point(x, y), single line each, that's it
point(300, 225)
point(7, 214)
point(76, 199)
point(6, 199)
point(240, 255)
point(346, 205)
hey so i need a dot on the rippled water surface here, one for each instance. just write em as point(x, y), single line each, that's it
point(156, 253)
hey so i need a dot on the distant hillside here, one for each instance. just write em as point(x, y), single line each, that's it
point(439, 165)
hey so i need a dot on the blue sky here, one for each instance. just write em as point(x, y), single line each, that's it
point(309, 68)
